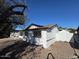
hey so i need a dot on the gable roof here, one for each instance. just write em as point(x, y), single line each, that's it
point(34, 25)
point(39, 27)
point(51, 25)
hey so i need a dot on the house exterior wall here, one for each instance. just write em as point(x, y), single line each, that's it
point(39, 41)
point(51, 36)
point(47, 37)
point(16, 35)
point(64, 36)
point(34, 40)
point(51, 33)
point(43, 38)
point(30, 37)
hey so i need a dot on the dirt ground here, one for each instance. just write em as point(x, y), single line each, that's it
point(17, 49)
point(60, 50)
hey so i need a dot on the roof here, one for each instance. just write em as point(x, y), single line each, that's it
point(39, 27)
point(35, 25)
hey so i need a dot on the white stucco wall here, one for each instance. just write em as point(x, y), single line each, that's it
point(16, 35)
point(30, 37)
point(50, 36)
point(35, 40)
point(43, 38)
point(64, 36)
point(52, 33)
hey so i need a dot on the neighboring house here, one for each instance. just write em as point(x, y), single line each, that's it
point(41, 35)
point(18, 34)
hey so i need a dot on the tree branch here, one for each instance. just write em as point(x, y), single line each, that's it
point(15, 6)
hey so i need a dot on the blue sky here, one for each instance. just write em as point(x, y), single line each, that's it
point(65, 13)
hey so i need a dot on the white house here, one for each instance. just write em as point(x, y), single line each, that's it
point(18, 34)
point(42, 35)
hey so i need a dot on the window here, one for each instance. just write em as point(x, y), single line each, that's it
point(49, 30)
point(37, 34)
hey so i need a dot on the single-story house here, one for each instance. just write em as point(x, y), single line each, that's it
point(41, 35)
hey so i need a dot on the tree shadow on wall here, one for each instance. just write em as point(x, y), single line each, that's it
point(15, 51)
point(74, 42)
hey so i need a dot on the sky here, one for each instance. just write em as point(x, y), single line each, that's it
point(65, 13)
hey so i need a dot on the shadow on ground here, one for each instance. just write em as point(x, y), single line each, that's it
point(15, 51)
